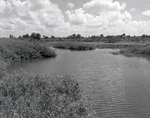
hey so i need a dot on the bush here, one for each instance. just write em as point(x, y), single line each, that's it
point(75, 46)
point(140, 49)
point(36, 96)
point(13, 50)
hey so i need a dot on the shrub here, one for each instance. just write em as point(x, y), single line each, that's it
point(13, 50)
point(36, 96)
point(140, 49)
point(75, 46)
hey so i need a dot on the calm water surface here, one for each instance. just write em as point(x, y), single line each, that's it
point(118, 85)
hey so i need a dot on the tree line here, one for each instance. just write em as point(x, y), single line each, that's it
point(79, 37)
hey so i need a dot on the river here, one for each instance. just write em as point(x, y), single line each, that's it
point(119, 86)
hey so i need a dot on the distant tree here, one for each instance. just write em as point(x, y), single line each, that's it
point(101, 35)
point(78, 36)
point(45, 37)
point(11, 36)
point(123, 34)
point(35, 36)
point(19, 37)
point(38, 36)
point(26, 36)
point(52, 37)
point(143, 35)
point(74, 36)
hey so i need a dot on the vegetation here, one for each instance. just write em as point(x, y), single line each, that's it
point(13, 50)
point(137, 50)
point(74, 46)
point(24, 95)
point(36, 96)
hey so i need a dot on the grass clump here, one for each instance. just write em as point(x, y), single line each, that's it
point(137, 50)
point(75, 46)
point(13, 50)
point(36, 96)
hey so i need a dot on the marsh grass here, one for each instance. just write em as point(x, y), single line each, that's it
point(14, 50)
point(36, 96)
point(137, 50)
point(74, 46)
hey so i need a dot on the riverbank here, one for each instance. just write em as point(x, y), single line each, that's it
point(136, 50)
point(75, 45)
point(14, 50)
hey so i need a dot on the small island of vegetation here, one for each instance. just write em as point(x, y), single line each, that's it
point(74, 46)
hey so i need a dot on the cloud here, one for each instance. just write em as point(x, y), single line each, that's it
point(132, 10)
point(107, 17)
point(96, 13)
point(95, 17)
point(21, 16)
point(146, 13)
point(98, 6)
point(70, 5)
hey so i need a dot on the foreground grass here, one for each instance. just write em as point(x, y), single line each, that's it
point(36, 96)
point(14, 50)
point(137, 50)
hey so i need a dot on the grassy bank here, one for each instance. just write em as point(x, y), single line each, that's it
point(74, 46)
point(143, 50)
point(14, 50)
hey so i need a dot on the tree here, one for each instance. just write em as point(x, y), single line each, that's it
point(52, 37)
point(35, 36)
point(74, 36)
point(78, 36)
point(11, 36)
point(45, 37)
point(19, 37)
point(101, 35)
point(26, 36)
point(38, 36)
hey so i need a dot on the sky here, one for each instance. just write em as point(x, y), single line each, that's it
point(62, 18)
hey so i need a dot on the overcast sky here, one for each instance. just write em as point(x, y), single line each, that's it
point(66, 17)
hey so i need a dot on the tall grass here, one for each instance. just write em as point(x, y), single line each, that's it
point(35, 96)
point(13, 50)
point(75, 46)
point(137, 49)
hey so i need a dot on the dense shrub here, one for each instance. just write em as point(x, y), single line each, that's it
point(13, 50)
point(137, 49)
point(75, 46)
point(35, 96)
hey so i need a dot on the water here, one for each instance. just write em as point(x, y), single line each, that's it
point(118, 85)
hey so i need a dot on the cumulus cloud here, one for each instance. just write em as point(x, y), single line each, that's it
point(93, 18)
point(132, 10)
point(97, 13)
point(107, 17)
point(70, 5)
point(30, 16)
point(146, 13)
point(98, 6)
